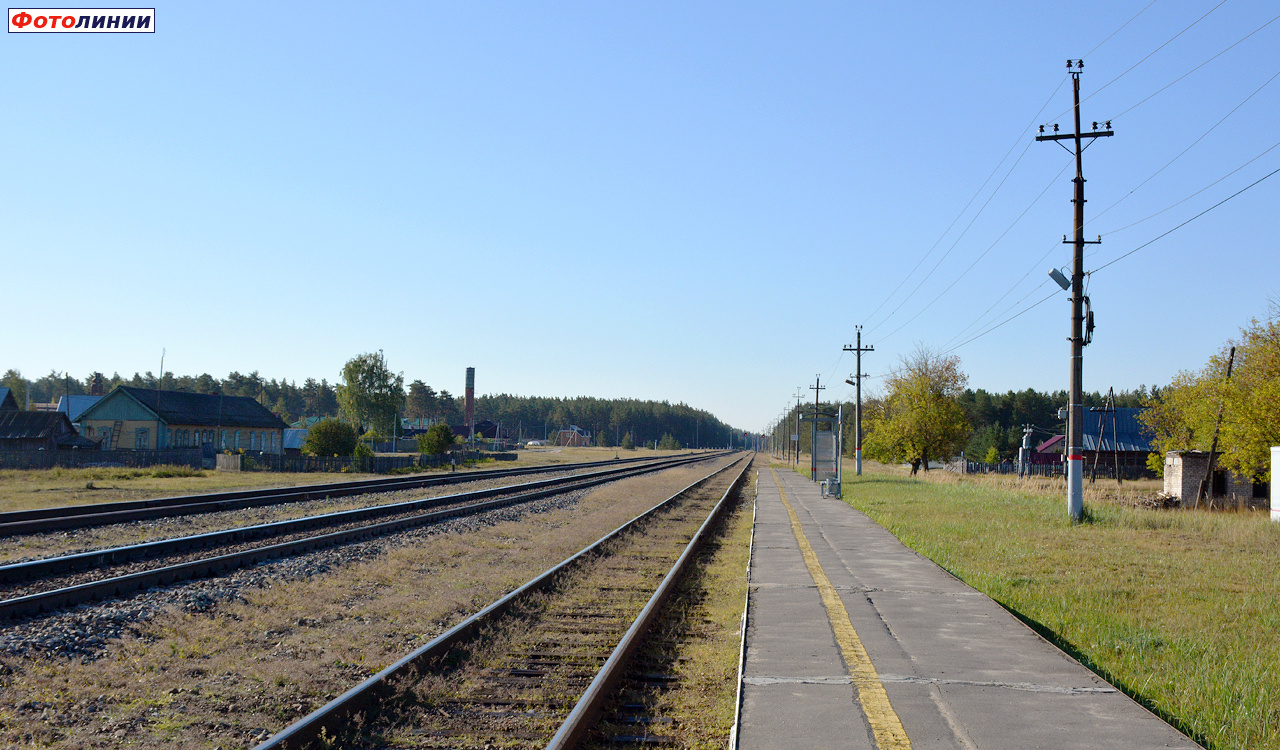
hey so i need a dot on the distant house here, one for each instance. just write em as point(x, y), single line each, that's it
point(144, 419)
point(1111, 438)
point(38, 431)
point(575, 437)
point(7, 401)
point(74, 406)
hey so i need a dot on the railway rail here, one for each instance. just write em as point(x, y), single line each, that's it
point(64, 518)
point(564, 640)
point(357, 524)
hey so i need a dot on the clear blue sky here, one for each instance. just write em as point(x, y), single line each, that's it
point(694, 202)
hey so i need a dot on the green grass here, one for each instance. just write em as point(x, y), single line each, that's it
point(1179, 609)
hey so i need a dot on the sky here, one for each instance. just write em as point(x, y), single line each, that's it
point(690, 202)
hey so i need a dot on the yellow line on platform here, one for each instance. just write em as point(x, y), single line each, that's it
point(886, 728)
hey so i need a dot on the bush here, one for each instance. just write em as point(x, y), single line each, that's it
point(330, 437)
point(627, 442)
point(362, 456)
point(436, 440)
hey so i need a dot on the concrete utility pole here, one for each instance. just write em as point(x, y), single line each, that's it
point(1024, 453)
point(817, 389)
point(857, 376)
point(799, 395)
point(1075, 421)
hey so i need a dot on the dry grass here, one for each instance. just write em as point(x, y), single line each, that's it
point(47, 488)
point(229, 677)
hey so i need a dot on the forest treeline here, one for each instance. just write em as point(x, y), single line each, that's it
point(610, 420)
point(995, 419)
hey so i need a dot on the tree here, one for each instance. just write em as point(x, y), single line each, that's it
point(1183, 415)
point(330, 437)
point(421, 402)
point(668, 443)
point(436, 440)
point(602, 438)
point(370, 394)
point(921, 416)
point(627, 442)
point(17, 385)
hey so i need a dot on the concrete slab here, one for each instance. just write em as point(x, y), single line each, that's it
point(959, 671)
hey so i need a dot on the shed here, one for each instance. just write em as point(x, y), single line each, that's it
point(38, 430)
point(1185, 470)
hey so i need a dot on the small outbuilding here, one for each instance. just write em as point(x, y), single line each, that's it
point(38, 431)
point(1185, 470)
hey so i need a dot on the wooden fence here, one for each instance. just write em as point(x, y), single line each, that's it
point(99, 458)
point(249, 461)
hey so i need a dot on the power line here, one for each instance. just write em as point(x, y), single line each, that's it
point(1009, 291)
point(1201, 190)
point(1183, 224)
point(1189, 72)
point(1149, 54)
point(1117, 31)
point(1191, 146)
point(974, 197)
point(1003, 322)
point(983, 255)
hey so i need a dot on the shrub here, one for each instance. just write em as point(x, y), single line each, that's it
point(436, 440)
point(330, 437)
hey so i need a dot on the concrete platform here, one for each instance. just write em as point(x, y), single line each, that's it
point(957, 669)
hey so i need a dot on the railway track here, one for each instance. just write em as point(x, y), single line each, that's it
point(65, 518)
point(535, 668)
point(44, 585)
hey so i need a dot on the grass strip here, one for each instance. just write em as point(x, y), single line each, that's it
point(1180, 609)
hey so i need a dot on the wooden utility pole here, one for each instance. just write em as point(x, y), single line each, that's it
point(1213, 448)
point(857, 376)
point(1075, 422)
point(799, 395)
point(817, 389)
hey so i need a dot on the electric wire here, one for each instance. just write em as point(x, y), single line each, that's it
point(974, 197)
point(1122, 26)
point(1144, 59)
point(1007, 292)
point(984, 253)
point(959, 237)
point(1189, 72)
point(1189, 197)
point(1003, 322)
point(1189, 147)
point(1183, 224)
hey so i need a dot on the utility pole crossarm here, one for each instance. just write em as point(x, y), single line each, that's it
point(1072, 136)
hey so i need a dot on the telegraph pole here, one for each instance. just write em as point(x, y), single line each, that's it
point(1075, 422)
point(799, 395)
point(857, 386)
point(817, 389)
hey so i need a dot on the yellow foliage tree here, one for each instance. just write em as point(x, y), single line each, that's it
point(920, 417)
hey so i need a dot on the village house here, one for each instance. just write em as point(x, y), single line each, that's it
point(143, 419)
